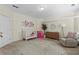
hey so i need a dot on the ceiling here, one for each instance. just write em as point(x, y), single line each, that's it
point(48, 10)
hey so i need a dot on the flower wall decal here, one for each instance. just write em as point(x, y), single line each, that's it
point(28, 23)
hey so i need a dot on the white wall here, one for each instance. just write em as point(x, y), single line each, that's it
point(6, 29)
point(68, 21)
point(18, 24)
point(76, 23)
point(17, 20)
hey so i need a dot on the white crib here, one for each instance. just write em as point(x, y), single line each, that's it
point(29, 33)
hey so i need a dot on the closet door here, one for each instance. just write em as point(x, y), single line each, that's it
point(5, 28)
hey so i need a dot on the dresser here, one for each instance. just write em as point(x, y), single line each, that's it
point(52, 35)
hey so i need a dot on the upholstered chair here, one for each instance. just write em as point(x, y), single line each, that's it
point(69, 41)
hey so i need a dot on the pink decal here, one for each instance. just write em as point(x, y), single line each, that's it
point(28, 23)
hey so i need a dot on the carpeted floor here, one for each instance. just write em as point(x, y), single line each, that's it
point(35, 47)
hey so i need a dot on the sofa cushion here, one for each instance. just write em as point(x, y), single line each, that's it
point(71, 34)
point(68, 42)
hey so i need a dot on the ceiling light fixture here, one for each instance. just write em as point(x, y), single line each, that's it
point(41, 8)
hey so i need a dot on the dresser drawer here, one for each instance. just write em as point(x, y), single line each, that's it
point(53, 35)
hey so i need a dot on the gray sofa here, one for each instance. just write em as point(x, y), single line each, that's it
point(69, 42)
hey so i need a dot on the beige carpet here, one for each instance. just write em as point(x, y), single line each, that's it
point(33, 47)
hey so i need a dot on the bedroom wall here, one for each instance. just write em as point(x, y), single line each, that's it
point(6, 14)
point(17, 19)
point(76, 24)
point(76, 21)
point(68, 21)
point(18, 24)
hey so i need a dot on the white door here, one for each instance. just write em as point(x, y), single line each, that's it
point(5, 28)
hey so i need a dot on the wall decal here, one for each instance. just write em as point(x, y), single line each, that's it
point(28, 23)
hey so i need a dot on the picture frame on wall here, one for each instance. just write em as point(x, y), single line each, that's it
point(53, 26)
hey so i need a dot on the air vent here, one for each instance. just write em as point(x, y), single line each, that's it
point(72, 4)
point(15, 6)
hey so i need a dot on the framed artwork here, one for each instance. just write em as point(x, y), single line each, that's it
point(53, 26)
